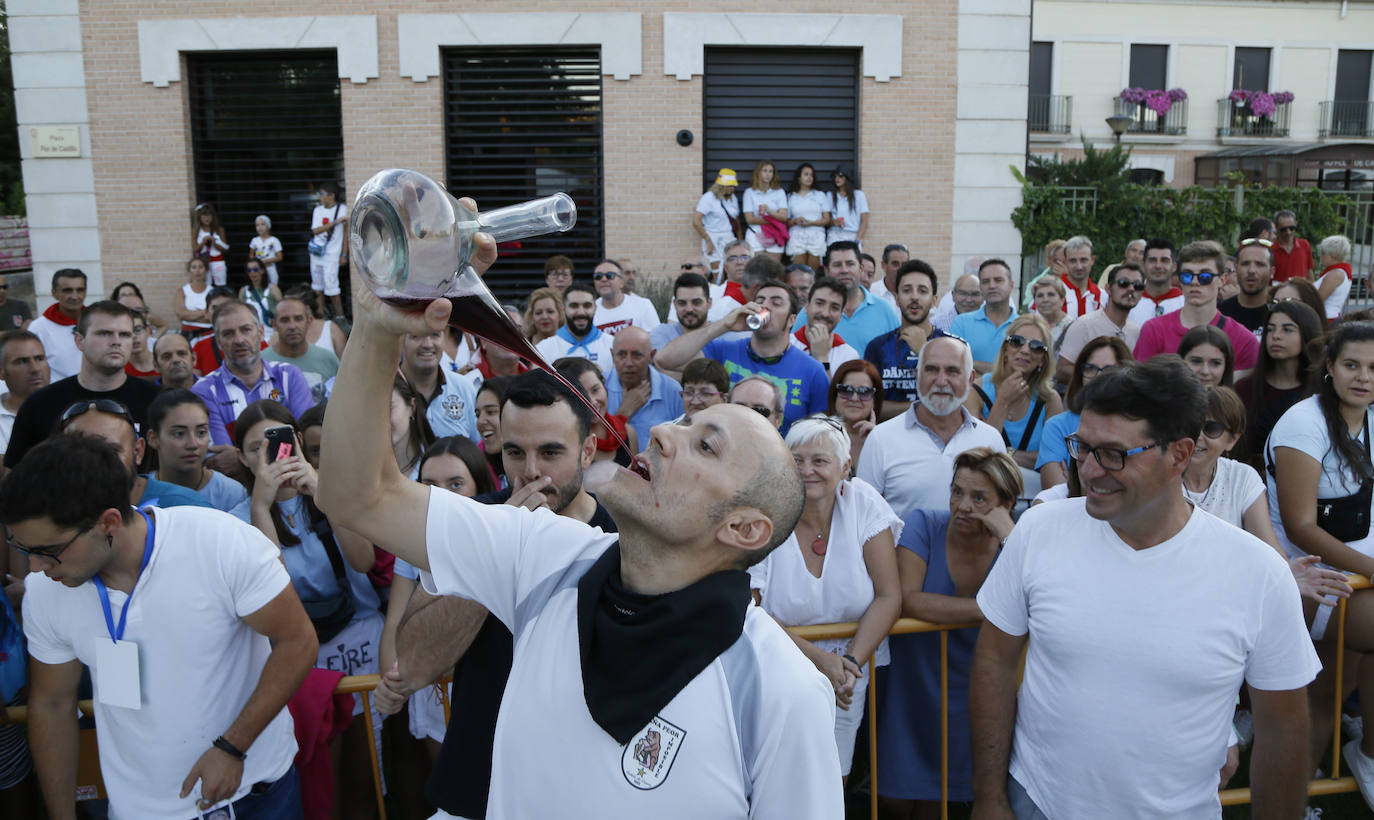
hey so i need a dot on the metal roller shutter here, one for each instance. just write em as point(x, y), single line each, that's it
point(266, 130)
point(523, 123)
point(790, 105)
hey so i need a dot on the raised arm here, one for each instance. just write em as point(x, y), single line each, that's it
point(361, 488)
point(676, 354)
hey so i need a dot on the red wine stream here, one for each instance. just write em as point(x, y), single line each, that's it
point(481, 315)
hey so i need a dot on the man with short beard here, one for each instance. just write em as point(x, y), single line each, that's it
point(291, 344)
point(691, 304)
point(579, 335)
point(895, 354)
point(172, 358)
point(1162, 294)
point(1123, 293)
point(105, 338)
point(910, 459)
point(450, 400)
point(1254, 271)
point(894, 257)
point(824, 309)
point(865, 316)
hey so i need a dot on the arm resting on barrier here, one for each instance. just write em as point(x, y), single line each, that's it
point(53, 735)
point(930, 606)
point(1279, 767)
point(992, 709)
point(433, 634)
point(880, 558)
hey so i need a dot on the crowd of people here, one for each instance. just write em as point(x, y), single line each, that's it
point(1161, 474)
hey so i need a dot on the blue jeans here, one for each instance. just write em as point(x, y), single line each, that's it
point(279, 800)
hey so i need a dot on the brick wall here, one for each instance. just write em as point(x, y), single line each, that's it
point(142, 153)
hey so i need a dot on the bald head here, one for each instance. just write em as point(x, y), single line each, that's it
point(632, 352)
point(775, 487)
point(967, 293)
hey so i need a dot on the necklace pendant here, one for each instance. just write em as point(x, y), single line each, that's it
point(819, 545)
point(291, 520)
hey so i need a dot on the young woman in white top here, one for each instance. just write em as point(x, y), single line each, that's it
point(810, 215)
point(712, 218)
point(189, 302)
point(265, 247)
point(764, 197)
point(1333, 285)
point(1317, 455)
point(210, 241)
point(848, 209)
point(324, 333)
point(839, 564)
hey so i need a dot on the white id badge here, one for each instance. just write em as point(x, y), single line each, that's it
point(225, 812)
point(116, 674)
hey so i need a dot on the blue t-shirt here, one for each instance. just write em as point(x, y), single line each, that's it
point(308, 564)
point(165, 494)
point(802, 378)
point(873, 317)
point(226, 494)
point(896, 362)
point(1052, 446)
point(1013, 430)
point(983, 337)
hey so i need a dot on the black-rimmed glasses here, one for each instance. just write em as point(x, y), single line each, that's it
point(48, 552)
point(1111, 459)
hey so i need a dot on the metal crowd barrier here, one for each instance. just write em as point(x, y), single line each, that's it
point(365, 684)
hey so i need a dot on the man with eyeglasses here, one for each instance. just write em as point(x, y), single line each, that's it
point(1292, 253)
point(1254, 272)
point(24, 366)
point(1199, 272)
point(189, 624)
point(760, 394)
point(14, 313)
point(579, 335)
point(1135, 650)
point(965, 297)
point(895, 354)
point(1162, 294)
point(694, 264)
point(558, 273)
point(885, 288)
point(824, 309)
point(105, 337)
point(909, 459)
point(1124, 287)
point(864, 316)
point(617, 309)
point(57, 324)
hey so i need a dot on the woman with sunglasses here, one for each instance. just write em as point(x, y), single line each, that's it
point(1280, 377)
point(1319, 488)
point(1207, 352)
point(1097, 356)
point(839, 564)
point(1017, 396)
point(856, 399)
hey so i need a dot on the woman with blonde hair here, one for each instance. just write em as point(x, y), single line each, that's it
point(543, 314)
point(1017, 397)
point(1333, 285)
point(716, 218)
point(765, 198)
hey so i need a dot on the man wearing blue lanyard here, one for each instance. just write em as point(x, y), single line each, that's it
point(190, 626)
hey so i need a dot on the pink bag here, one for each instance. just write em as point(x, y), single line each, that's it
point(775, 229)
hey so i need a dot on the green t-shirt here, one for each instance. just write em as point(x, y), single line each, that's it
point(318, 365)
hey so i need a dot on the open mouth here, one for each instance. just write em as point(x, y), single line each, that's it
point(640, 467)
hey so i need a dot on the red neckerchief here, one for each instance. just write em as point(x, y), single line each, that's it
point(55, 315)
point(734, 291)
point(1345, 266)
point(835, 340)
point(1169, 294)
point(484, 367)
point(1082, 301)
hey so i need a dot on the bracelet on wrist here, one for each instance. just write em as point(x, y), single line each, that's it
point(852, 660)
point(229, 749)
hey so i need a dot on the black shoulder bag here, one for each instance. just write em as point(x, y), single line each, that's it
point(1347, 518)
point(331, 613)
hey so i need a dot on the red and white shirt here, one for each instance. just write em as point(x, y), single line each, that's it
point(1081, 302)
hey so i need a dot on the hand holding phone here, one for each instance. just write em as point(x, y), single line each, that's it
point(280, 443)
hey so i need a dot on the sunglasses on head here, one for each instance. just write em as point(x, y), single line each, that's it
point(1264, 243)
point(110, 406)
point(1203, 278)
point(1019, 341)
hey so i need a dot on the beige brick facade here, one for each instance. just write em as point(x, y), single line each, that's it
point(141, 154)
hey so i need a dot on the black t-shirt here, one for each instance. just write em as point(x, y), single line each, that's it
point(1251, 317)
point(14, 313)
point(40, 412)
point(462, 773)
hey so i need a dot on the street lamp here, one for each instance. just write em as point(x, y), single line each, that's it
point(1119, 124)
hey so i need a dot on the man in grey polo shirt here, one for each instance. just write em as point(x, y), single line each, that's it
point(1123, 293)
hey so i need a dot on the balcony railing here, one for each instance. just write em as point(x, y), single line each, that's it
point(1346, 119)
point(1050, 113)
point(1146, 121)
point(1239, 120)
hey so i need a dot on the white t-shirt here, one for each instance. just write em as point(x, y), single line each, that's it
point(597, 351)
point(811, 206)
point(198, 660)
point(851, 211)
point(266, 249)
point(774, 198)
point(1234, 488)
point(1303, 428)
point(59, 342)
point(1136, 656)
point(713, 213)
point(6, 424)
point(1147, 309)
point(912, 467)
point(751, 736)
point(839, 353)
point(633, 310)
point(1336, 300)
point(327, 216)
point(844, 591)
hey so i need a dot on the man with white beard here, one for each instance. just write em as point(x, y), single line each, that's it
point(910, 458)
